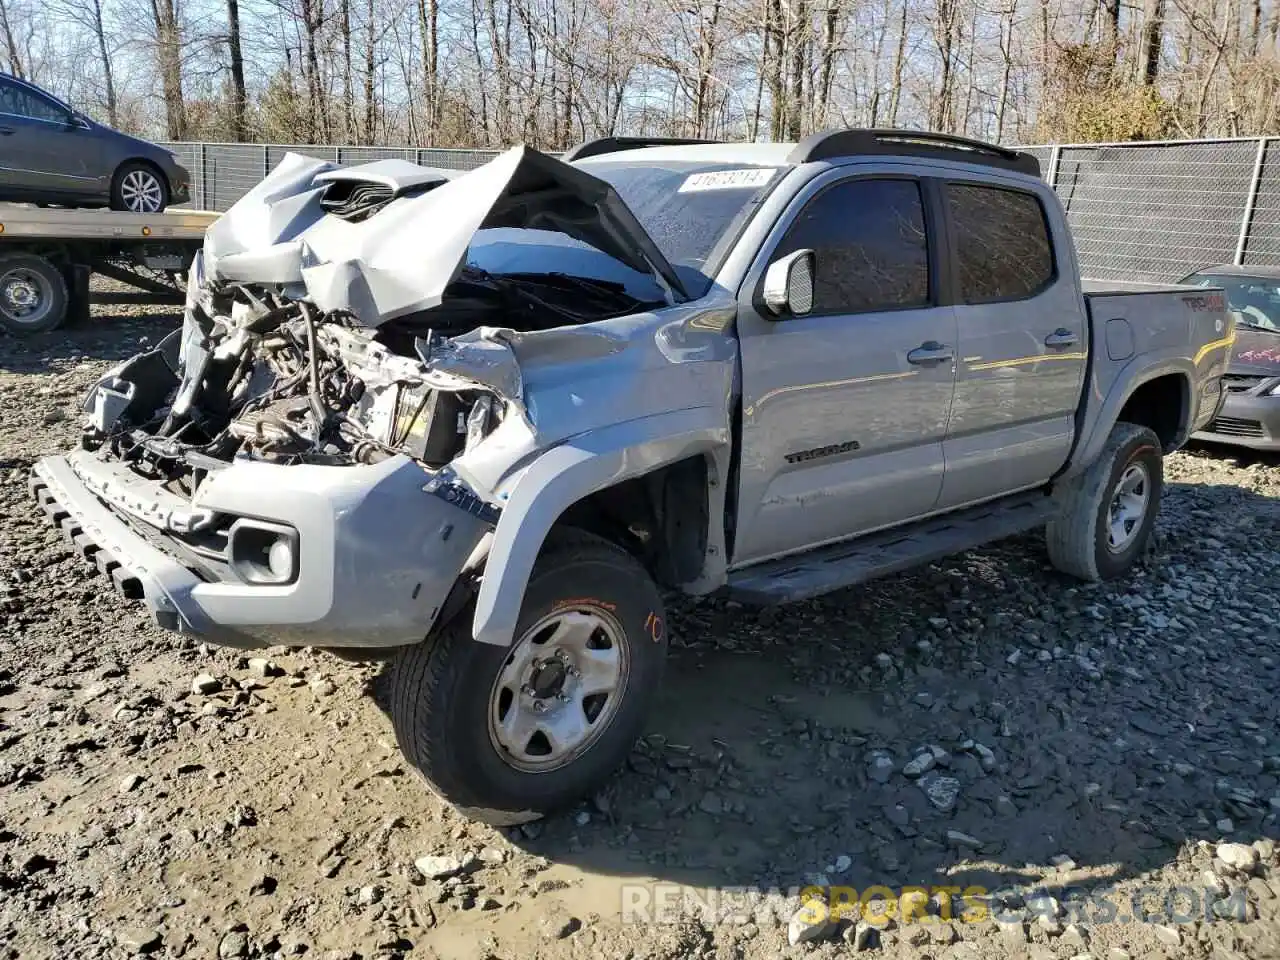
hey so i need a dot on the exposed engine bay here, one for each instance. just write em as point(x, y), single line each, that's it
point(272, 379)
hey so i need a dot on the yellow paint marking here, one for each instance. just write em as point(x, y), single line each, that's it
point(1022, 361)
point(1209, 347)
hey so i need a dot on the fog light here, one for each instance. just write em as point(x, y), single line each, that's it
point(263, 553)
point(280, 558)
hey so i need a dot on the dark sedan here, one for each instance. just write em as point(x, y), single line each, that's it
point(1250, 414)
point(49, 153)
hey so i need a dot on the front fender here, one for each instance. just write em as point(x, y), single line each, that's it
point(564, 475)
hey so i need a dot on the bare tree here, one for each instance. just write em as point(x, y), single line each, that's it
point(10, 43)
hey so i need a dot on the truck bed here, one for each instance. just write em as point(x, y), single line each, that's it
point(20, 221)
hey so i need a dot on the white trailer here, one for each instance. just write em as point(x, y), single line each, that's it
point(47, 256)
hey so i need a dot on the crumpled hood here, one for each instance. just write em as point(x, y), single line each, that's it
point(1256, 353)
point(402, 259)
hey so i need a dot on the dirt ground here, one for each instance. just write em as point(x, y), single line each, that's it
point(1099, 767)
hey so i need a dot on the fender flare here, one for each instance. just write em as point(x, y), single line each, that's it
point(1124, 387)
point(561, 477)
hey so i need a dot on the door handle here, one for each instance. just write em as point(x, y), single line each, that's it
point(930, 354)
point(1062, 337)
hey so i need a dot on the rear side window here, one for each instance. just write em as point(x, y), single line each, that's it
point(1002, 243)
point(869, 240)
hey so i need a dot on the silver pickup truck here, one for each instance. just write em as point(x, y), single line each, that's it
point(477, 422)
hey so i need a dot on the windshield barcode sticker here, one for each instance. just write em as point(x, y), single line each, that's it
point(728, 179)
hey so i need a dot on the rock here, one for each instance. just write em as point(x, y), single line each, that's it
point(1073, 935)
point(264, 668)
point(661, 792)
point(493, 856)
point(942, 933)
point(711, 803)
point(1043, 905)
point(234, 944)
point(205, 684)
point(139, 940)
point(811, 922)
point(438, 868)
point(1014, 931)
point(1266, 848)
point(919, 766)
point(880, 767)
point(985, 757)
point(1260, 889)
point(861, 936)
point(559, 927)
point(842, 864)
point(1225, 825)
point(963, 840)
point(1062, 862)
point(582, 818)
point(1238, 856)
point(130, 783)
point(323, 687)
point(1006, 807)
point(369, 895)
point(1115, 953)
point(1169, 936)
point(943, 792)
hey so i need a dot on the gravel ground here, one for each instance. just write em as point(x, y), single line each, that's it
point(1072, 752)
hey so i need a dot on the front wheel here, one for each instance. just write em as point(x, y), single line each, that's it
point(1108, 512)
point(507, 734)
point(139, 188)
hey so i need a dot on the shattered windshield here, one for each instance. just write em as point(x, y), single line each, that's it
point(1254, 300)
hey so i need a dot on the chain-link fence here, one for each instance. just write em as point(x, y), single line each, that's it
point(1139, 211)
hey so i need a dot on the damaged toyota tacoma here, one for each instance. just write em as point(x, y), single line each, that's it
point(479, 422)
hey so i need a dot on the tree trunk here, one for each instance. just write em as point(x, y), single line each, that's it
point(829, 24)
point(774, 43)
point(348, 82)
point(1006, 53)
point(11, 44)
point(944, 38)
point(1152, 40)
point(238, 99)
point(169, 65)
point(429, 22)
point(1255, 28)
point(799, 67)
point(370, 75)
point(100, 35)
point(1111, 26)
point(898, 59)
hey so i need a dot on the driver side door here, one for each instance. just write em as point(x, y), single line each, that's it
point(845, 408)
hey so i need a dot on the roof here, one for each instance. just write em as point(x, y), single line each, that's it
point(761, 154)
point(1265, 271)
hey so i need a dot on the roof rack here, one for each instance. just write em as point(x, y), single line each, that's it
point(594, 148)
point(830, 144)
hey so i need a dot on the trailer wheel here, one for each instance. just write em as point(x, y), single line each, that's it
point(33, 294)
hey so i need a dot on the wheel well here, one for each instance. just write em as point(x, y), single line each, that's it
point(660, 518)
point(1161, 404)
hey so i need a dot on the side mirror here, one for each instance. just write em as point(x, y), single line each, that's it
point(77, 122)
point(788, 284)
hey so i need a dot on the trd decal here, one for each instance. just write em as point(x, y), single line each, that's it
point(828, 451)
point(653, 624)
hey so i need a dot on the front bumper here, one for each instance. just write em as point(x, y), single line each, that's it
point(378, 555)
point(1245, 420)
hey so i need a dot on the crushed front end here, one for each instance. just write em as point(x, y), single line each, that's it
point(270, 474)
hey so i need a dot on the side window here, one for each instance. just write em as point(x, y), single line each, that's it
point(868, 237)
point(24, 103)
point(1002, 243)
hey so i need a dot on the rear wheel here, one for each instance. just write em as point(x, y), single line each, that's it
point(33, 294)
point(507, 734)
point(1110, 509)
point(139, 188)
